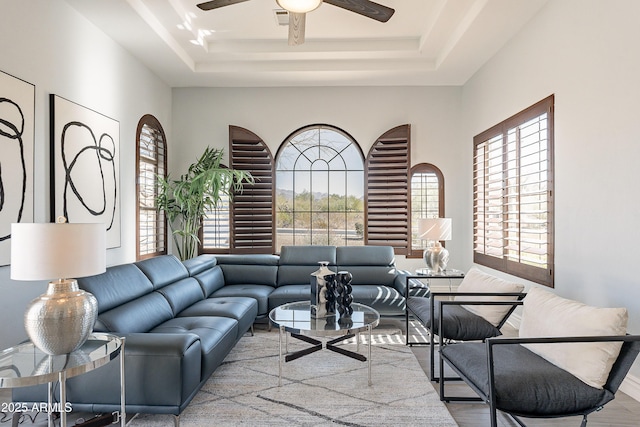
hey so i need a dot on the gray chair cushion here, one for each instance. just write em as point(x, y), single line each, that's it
point(526, 384)
point(458, 323)
point(162, 270)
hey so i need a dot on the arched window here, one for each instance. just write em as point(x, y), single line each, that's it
point(319, 188)
point(427, 200)
point(151, 161)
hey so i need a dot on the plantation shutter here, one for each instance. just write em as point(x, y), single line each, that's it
point(387, 201)
point(513, 195)
point(252, 210)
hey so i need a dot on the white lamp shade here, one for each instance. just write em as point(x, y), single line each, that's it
point(434, 229)
point(47, 251)
point(299, 6)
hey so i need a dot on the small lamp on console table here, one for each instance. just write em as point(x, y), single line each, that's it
point(60, 320)
point(435, 230)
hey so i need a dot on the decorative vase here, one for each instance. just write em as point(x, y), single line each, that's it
point(344, 298)
point(323, 296)
point(60, 320)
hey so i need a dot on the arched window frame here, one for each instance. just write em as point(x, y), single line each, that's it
point(328, 236)
point(147, 169)
point(419, 201)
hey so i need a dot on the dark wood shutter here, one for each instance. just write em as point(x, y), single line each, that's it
point(252, 226)
point(387, 201)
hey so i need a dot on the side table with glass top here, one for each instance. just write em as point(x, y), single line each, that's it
point(25, 365)
point(416, 282)
point(296, 319)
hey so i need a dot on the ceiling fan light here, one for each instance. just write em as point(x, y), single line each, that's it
point(299, 6)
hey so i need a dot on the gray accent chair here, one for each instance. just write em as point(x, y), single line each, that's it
point(514, 380)
point(456, 323)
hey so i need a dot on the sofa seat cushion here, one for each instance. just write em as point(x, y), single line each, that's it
point(217, 337)
point(386, 300)
point(545, 390)
point(243, 309)
point(289, 293)
point(258, 292)
point(458, 323)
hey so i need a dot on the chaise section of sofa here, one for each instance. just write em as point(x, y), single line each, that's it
point(175, 338)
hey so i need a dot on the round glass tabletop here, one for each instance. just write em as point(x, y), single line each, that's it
point(296, 318)
point(26, 365)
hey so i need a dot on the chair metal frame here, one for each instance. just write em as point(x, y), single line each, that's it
point(433, 296)
point(490, 398)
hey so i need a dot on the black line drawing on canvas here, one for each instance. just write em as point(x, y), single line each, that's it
point(12, 152)
point(105, 158)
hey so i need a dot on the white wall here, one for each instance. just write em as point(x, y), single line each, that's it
point(201, 117)
point(50, 45)
point(586, 53)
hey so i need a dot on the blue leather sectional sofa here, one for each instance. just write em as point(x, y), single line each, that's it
point(180, 320)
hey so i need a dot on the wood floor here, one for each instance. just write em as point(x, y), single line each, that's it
point(623, 411)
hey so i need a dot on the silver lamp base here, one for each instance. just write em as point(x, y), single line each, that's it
point(436, 257)
point(60, 320)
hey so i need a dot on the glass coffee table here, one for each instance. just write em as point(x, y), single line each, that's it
point(295, 318)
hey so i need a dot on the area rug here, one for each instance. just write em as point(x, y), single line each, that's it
point(323, 388)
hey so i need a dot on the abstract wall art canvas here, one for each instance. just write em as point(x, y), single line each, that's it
point(85, 157)
point(17, 112)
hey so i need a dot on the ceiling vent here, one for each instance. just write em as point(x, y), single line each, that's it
point(282, 16)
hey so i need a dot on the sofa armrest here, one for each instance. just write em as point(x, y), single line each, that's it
point(160, 370)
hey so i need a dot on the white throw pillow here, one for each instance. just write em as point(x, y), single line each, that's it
point(548, 315)
point(478, 281)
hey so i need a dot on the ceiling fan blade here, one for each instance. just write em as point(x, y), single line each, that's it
point(214, 4)
point(296, 28)
point(366, 8)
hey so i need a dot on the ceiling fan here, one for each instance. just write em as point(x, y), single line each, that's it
point(298, 9)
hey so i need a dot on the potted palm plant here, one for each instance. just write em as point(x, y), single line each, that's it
point(185, 201)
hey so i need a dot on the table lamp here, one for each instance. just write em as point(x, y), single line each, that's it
point(434, 230)
point(60, 320)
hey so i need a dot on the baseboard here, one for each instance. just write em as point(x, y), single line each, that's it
point(631, 387)
point(631, 384)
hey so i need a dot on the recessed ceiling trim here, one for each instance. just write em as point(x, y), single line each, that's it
point(142, 10)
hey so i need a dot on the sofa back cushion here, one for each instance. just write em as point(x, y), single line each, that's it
point(210, 280)
point(116, 286)
point(478, 281)
point(547, 315)
point(369, 265)
point(199, 264)
point(298, 262)
point(249, 269)
point(139, 315)
point(182, 294)
point(162, 270)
